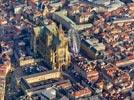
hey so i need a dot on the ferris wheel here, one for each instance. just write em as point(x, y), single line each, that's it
point(74, 41)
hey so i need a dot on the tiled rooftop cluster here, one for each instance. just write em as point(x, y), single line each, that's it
point(109, 79)
point(5, 65)
point(107, 38)
point(120, 81)
point(80, 12)
point(86, 70)
point(117, 37)
point(6, 50)
point(81, 93)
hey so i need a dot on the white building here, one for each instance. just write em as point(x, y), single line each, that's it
point(114, 5)
point(109, 5)
point(102, 2)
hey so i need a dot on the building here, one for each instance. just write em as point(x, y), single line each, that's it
point(126, 62)
point(33, 3)
point(5, 66)
point(7, 35)
point(56, 51)
point(64, 85)
point(106, 5)
point(119, 81)
point(3, 21)
point(38, 77)
point(85, 92)
point(92, 48)
point(102, 2)
point(131, 6)
point(4, 69)
point(19, 9)
point(62, 18)
point(87, 72)
point(28, 61)
point(86, 69)
point(82, 18)
point(115, 5)
point(132, 95)
point(39, 82)
point(123, 20)
point(49, 94)
point(2, 88)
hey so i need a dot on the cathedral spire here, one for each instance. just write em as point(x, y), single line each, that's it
point(60, 32)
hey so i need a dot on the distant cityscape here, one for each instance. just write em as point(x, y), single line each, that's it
point(66, 49)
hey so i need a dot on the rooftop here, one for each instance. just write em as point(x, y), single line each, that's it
point(95, 44)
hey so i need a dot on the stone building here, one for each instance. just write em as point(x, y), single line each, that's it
point(52, 44)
